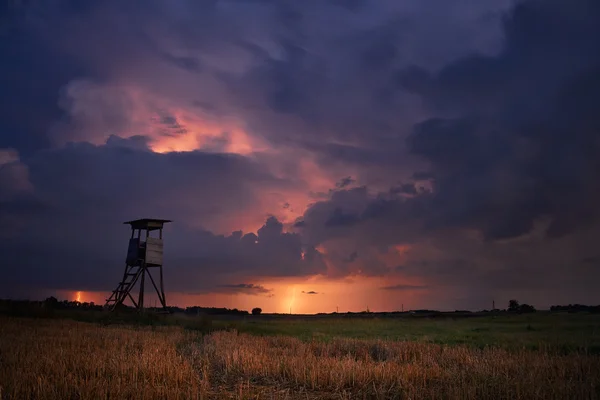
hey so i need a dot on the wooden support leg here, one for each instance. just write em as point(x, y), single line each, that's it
point(141, 296)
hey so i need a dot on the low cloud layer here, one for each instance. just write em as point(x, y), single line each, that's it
point(401, 287)
point(247, 288)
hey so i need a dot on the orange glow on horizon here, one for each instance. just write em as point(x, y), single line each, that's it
point(292, 299)
point(81, 296)
point(315, 294)
point(308, 295)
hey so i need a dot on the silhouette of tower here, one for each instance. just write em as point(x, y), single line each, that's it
point(142, 256)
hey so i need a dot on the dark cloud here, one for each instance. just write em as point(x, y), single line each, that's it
point(402, 288)
point(84, 192)
point(467, 133)
point(172, 127)
point(190, 64)
point(352, 257)
point(344, 182)
point(512, 147)
point(378, 219)
point(339, 218)
point(33, 75)
point(247, 288)
point(405, 188)
point(524, 143)
point(293, 77)
point(496, 169)
point(591, 260)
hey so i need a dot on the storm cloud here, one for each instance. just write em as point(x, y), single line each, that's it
point(447, 146)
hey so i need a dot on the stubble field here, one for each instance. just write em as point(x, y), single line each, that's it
point(299, 359)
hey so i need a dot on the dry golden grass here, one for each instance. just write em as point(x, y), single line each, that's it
point(59, 359)
point(347, 368)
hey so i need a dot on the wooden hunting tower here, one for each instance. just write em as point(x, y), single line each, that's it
point(142, 256)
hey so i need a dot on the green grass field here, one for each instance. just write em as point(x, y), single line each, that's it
point(561, 331)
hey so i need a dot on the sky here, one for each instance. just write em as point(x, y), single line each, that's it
point(313, 156)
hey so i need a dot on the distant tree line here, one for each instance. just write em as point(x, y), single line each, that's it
point(25, 307)
point(211, 311)
point(52, 303)
point(197, 310)
point(574, 308)
point(515, 307)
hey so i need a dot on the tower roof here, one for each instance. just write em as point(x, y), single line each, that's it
point(147, 223)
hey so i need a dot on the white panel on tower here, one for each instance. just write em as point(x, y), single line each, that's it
point(154, 251)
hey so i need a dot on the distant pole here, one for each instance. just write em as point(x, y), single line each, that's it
point(493, 304)
point(290, 310)
point(337, 309)
point(402, 307)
